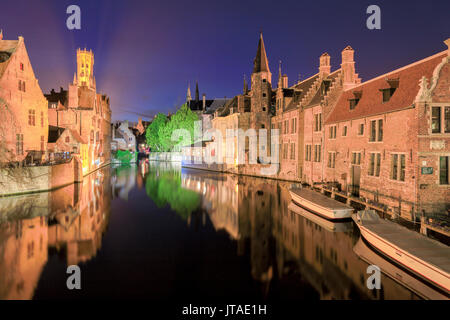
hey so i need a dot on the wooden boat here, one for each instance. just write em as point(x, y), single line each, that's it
point(331, 226)
point(426, 258)
point(320, 204)
point(397, 273)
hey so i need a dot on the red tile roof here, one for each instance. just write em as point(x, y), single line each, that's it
point(371, 102)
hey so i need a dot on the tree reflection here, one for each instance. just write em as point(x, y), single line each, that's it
point(164, 188)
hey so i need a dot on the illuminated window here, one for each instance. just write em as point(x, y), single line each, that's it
point(31, 117)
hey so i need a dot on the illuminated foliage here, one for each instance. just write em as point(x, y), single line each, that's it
point(159, 133)
point(164, 188)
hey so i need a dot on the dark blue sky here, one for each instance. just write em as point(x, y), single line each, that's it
point(147, 51)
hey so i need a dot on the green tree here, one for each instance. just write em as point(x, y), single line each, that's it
point(152, 134)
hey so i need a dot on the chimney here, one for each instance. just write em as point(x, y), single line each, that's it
point(1, 34)
point(204, 102)
point(447, 42)
point(284, 81)
point(350, 78)
point(324, 64)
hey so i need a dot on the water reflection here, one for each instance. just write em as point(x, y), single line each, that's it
point(69, 221)
point(291, 254)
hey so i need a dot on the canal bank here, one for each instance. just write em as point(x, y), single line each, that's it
point(34, 179)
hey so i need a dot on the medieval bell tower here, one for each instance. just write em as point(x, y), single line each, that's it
point(85, 68)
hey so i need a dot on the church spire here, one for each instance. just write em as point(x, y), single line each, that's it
point(260, 63)
point(197, 94)
point(279, 75)
point(74, 78)
point(188, 95)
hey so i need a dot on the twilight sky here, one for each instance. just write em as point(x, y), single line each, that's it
point(147, 51)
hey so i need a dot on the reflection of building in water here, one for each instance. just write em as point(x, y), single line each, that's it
point(281, 242)
point(23, 254)
point(79, 228)
point(73, 218)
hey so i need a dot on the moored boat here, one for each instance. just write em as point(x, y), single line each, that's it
point(397, 273)
point(332, 226)
point(320, 204)
point(426, 258)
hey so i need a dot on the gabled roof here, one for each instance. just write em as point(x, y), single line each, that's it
point(54, 133)
point(260, 63)
point(77, 137)
point(371, 102)
point(216, 104)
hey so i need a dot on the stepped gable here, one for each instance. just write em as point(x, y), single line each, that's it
point(324, 88)
point(371, 101)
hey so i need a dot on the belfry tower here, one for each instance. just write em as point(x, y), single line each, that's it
point(85, 68)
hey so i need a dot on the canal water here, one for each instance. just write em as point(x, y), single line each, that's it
point(157, 231)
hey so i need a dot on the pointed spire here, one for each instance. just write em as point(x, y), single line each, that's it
point(260, 63)
point(279, 75)
point(74, 78)
point(188, 95)
point(245, 85)
point(197, 94)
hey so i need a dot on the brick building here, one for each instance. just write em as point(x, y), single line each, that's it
point(83, 110)
point(23, 107)
point(388, 139)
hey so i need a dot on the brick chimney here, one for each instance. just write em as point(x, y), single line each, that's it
point(350, 78)
point(284, 81)
point(324, 64)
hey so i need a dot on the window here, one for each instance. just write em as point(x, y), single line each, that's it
point(332, 132)
point(353, 103)
point(19, 144)
point(376, 130)
point(398, 167)
point(67, 139)
point(308, 152)
point(374, 166)
point(42, 143)
point(344, 131)
point(440, 121)
point(443, 170)
point(318, 122)
point(264, 94)
point(21, 66)
point(97, 137)
point(31, 117)
point(331, 159)
point(387, 93)
point(42, 119)
point(264, 80)
point(356, 158)
point(292, 151)
point(317, 153)
point(294, 125)
point(380, 130)
point(23, 86)
point(361, 129)
point(285, 151)
point(92, 136)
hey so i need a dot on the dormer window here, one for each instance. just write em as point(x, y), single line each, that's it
point(389, 92)
point(356, 97)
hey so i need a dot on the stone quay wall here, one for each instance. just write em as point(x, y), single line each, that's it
point(39, 178)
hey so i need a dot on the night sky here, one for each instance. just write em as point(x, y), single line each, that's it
point(146, 52)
